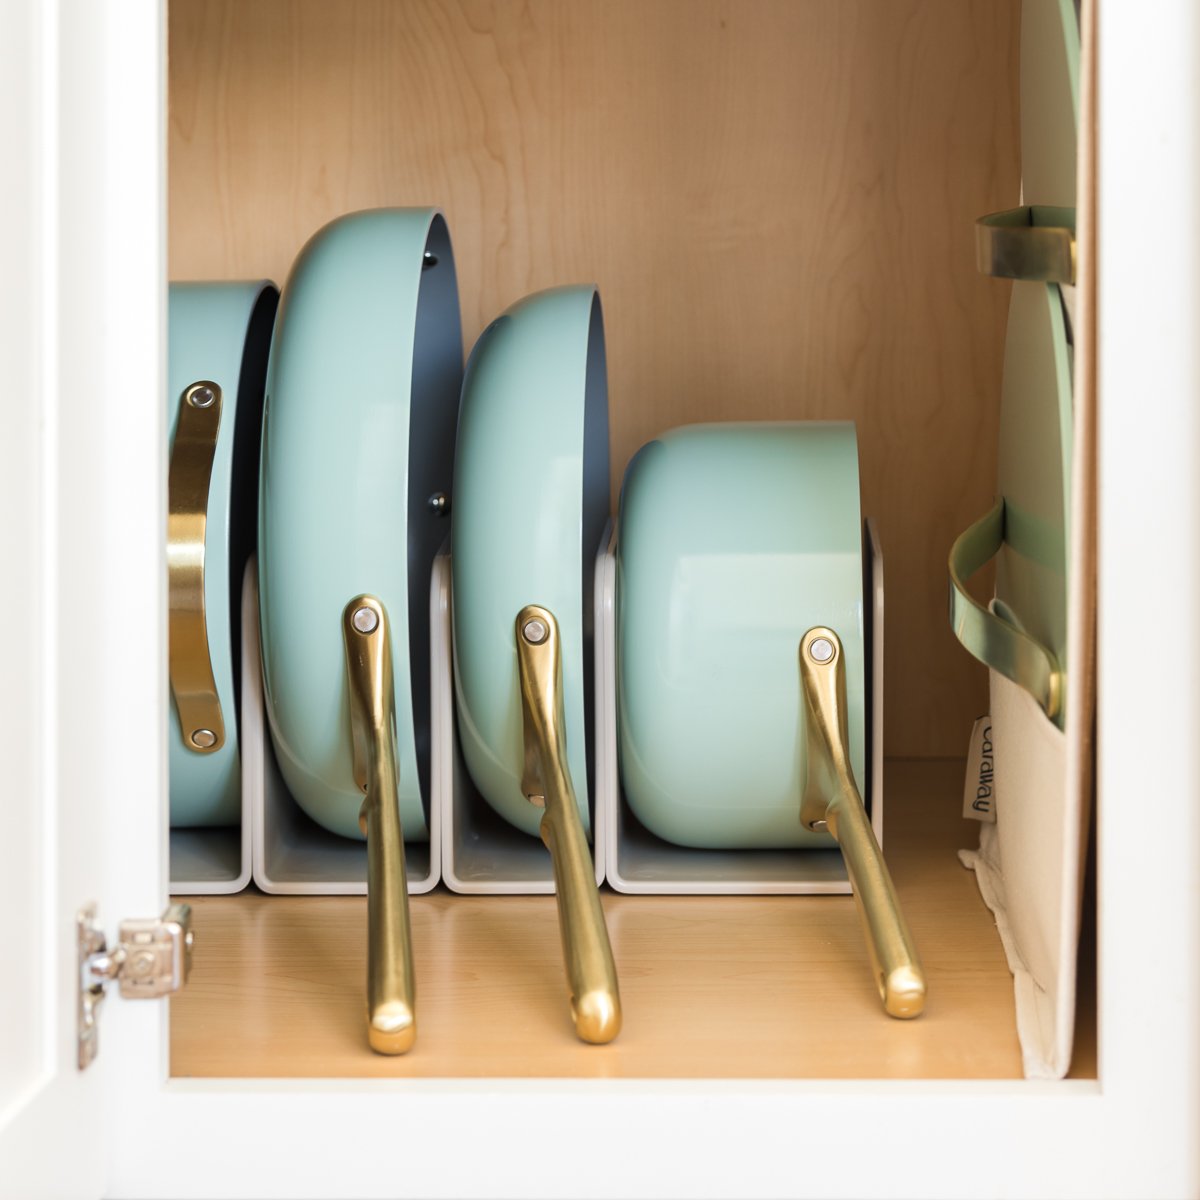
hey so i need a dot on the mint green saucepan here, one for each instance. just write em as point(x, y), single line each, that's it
point(741, 663)
point(218, 338)
point(357, 466)
point(531, 504)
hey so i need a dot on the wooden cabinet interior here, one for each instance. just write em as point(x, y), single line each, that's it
point(776, 199)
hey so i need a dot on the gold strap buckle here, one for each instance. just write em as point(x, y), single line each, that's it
point(1035, 243)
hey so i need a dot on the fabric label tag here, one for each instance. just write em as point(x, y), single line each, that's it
point(979, 787)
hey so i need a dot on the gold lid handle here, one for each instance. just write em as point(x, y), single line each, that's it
point(391, 988)
point(832, 801)
point(591, 972)
point(189, 661)
point(1035, 243)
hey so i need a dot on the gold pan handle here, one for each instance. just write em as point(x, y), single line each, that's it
point(591, 972)
point(391, 989)
point(832, 801)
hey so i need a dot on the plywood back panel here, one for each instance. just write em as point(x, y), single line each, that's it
point(776, 199)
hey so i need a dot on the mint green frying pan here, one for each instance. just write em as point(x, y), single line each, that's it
point(531, 503)
point(357, 471)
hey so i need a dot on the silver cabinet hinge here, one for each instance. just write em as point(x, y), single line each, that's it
point(152, 958)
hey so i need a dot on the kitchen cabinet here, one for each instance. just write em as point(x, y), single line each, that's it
point(698, 255)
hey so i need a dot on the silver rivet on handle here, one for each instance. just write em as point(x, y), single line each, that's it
point(535, 631)
point(821, 649)
point(365, 619)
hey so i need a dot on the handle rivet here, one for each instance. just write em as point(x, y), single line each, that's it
point(535, 631)
point(203, 738)
point(202, 397)
point(365, 619)
point(820, 649)
point(439, 504)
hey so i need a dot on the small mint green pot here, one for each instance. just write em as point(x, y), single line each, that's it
point(357, 473)
point(531, 505)
point(733, 541)
point(219, 332)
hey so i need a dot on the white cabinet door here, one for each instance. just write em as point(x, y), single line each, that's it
point(80, 642)
point(49, 1137)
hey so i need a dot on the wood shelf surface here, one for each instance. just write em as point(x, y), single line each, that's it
point(712, 987)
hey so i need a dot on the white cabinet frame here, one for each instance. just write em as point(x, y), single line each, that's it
point(1134, 1133)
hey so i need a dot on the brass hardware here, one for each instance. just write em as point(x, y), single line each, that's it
point(1035, 243)
point(591, 972)
point(994, 641)
point(190, 663)
point(152, 958)
point(391, 986)
point(832, 801)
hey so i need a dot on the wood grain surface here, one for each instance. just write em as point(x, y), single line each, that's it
point(720, 987)
point(776, 198)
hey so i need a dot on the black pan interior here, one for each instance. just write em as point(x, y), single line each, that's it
point(436, 384)
point(243, 488)
point(596, 509)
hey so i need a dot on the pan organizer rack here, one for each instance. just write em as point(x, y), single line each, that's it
point(214, 861)
point(470, 849)
point(481, 854)
point(292, 854)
